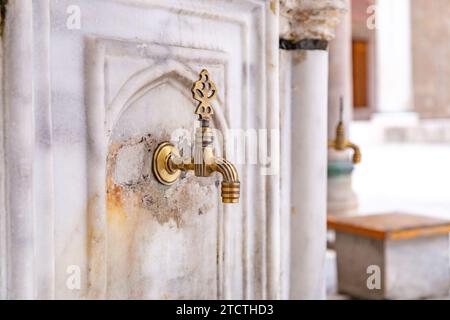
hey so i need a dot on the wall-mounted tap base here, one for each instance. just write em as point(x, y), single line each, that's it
point(161, 169)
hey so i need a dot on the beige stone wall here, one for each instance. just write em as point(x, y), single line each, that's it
point(431, 57)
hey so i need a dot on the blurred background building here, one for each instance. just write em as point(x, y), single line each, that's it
point(390, 62)
point(396, 94)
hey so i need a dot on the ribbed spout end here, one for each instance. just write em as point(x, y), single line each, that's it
point(231, 192)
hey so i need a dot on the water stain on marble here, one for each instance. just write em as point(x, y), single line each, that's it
point(143, 216)
point(135, 188)
point(299, 56)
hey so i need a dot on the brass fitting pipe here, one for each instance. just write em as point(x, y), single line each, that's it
point(230, 178)
point(340, 143)
point(167, 162)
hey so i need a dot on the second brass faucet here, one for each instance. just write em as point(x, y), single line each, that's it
point(168, 164)
point(340, 143)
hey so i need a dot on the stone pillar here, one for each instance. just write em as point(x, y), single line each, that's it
point(306, 26)
point(341, 199)
point(18, 250)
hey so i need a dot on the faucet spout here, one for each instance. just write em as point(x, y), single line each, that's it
point(356, 152)
point(340, 143)
point(231, 185)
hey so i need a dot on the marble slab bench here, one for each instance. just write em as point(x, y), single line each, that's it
point(392, 256)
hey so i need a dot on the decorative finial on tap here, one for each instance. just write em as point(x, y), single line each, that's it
point(204, 91)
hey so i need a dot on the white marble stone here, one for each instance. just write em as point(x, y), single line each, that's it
point(73, 97)
point(304, 81)
point(309, 170)
point(19, 147)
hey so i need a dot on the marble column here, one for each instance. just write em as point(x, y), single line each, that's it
point(341, 199)
point(306, 26)
point(18, 250)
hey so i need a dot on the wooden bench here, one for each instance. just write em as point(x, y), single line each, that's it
point(392, 256)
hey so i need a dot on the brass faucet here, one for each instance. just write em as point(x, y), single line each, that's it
point(341, 143)
point(168, 164)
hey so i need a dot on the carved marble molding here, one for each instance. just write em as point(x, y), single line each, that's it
point(310, 19)
point(57, 133)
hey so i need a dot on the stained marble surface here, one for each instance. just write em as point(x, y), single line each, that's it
point(77, 98)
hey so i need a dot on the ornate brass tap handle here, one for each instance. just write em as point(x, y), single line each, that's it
point(167, 163)
point(340, 143)
point(204, 91)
